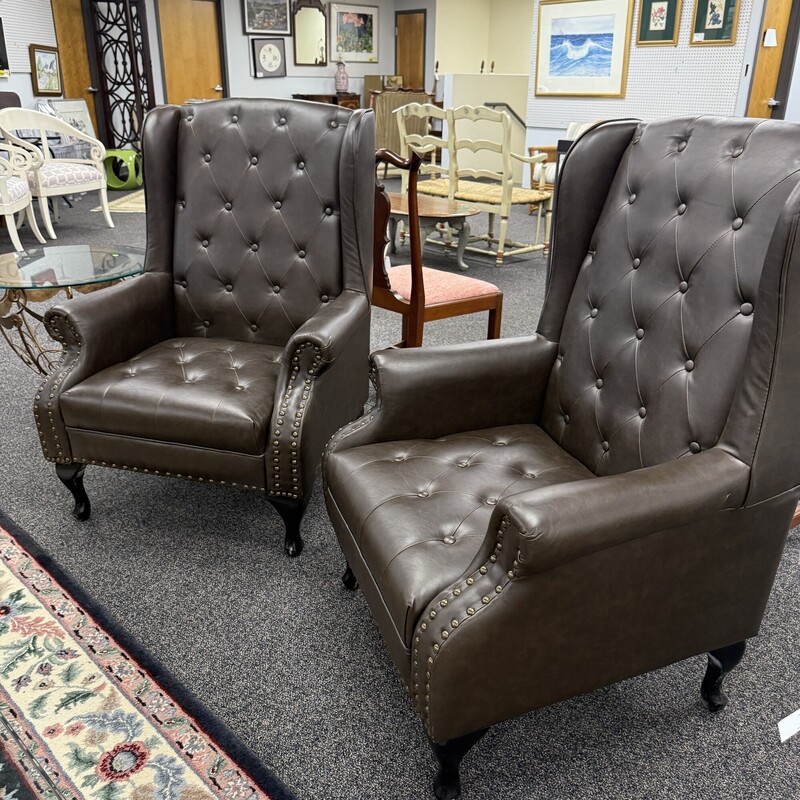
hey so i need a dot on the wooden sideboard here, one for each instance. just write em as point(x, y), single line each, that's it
point(346, 100)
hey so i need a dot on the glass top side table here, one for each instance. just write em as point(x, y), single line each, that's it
point(40, 273)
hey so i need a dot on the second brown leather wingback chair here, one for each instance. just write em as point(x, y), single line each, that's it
point(244, 345)
point(531, 519)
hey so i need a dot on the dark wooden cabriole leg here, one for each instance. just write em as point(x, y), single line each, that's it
point(447, 784)
point(291, 514)
point(349, 579)
point(71, 475)
point(720, 663)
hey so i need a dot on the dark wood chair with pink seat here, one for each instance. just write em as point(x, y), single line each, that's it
point(419, 293)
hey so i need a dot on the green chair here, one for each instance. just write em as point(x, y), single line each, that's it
point(123, 169)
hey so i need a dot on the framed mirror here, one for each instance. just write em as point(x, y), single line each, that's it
point(309, 33)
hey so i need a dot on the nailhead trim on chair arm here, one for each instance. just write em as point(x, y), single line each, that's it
point(63, 331)
point(283, 451)
point(458, 605)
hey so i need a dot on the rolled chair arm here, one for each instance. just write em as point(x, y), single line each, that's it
point(20, 160)
point(543, 599)
point(330, 329)
point(536, 158)
point(98, 330)
point(322, 385)
point(553, 525)
point(431, 392)
point(115, 324)
point(28, 148)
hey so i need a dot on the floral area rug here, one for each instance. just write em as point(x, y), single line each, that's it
point(85, 713)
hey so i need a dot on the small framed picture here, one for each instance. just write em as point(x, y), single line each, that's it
point(394, 82)
point(269, 58)
point(267, 16)
point(354, 32)
point(45, 70)
point(658, 22)
point(715, 22)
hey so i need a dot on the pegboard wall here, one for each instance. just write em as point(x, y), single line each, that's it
point(663, 80)
point(26, 22)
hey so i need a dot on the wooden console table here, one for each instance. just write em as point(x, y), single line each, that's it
point(345, 100)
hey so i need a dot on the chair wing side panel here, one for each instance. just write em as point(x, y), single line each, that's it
point(581, 192)
point(770, 382)
point(357, 201)
point(159, 145)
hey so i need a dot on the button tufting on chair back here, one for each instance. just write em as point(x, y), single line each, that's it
point(656, 331)
point(257, 247)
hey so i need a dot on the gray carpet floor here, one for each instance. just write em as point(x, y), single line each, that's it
point(294, 665)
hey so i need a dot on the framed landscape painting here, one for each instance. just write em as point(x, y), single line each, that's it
point(45, 70)
point(715, 22)
point(354, 32)
point(658, 22)
point(267, 16)
point(583, 48)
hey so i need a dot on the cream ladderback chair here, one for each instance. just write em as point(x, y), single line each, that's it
point(414, 126)
point(493, 189)
point(54, 177)
point(15, 194)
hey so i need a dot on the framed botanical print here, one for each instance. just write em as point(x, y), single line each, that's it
point(659, 21)
point(583, 48)
point(267, 16)
point(269, 58)
point(354, 32)
point(45, 70)
point(715, 22)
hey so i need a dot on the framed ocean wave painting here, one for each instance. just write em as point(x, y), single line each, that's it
point(582, 48)
point(658, 22)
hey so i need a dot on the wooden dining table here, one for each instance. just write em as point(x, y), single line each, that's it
point(433, 211)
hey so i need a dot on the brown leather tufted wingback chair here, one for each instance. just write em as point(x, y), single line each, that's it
point(534, 518)
point(244, 345)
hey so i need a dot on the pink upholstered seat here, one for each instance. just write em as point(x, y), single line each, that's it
point(440, 286)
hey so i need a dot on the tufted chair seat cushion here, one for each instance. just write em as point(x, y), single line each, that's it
point(440, 286)
point(419, 509)
point(64, 173)
point(212, 393)
point(17, 189)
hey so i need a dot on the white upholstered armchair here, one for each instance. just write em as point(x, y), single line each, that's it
point(52, 177)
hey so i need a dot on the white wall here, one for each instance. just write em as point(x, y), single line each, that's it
point(510, 36)
point(25, 22)
point(462, 35)
point(298, 80)
point(792, 112)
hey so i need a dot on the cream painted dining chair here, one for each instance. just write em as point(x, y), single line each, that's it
point(15, 194)
point(54, 177)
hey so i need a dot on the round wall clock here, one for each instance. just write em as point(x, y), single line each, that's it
point(269, 58)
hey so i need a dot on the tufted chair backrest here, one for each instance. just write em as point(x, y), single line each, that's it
point(655, 334)
point(266, 193)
